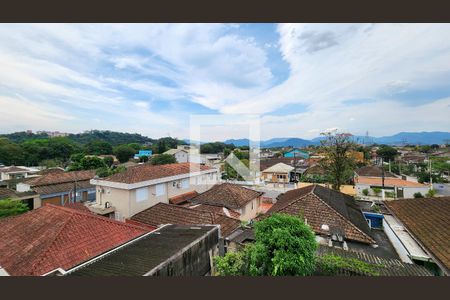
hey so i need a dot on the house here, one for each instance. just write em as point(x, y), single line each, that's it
point(328, 212)
point(13, 172)
point(143, 153)
point(140, 187)
point(369, 179)
point(397, 187)
point(296, 153)
point(181, 155)
point(162, 213)
point(244, 201)
point(29, 198)
point(60, 188)
point(55, 237)
point(419, 229)
point(172, 250)
point(278, 173)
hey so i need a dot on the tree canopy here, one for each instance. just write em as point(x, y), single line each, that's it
point(163, 159)
point(10, 207)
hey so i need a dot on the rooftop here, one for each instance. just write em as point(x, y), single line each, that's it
point(146, 172)
point(183, 198)
point(62, 187)
point(323, 206)
point(162, 213)
point(373, 171)
point(388, 181)
point(428, 220)
point(51, 237)
point(145, 255)
point(227, 195)
point(279, 168)
point(61, 177)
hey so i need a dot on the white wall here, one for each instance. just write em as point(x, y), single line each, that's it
point(182, 157)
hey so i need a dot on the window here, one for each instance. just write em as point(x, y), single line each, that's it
point(160, 189)
point(185, 183)
point(141, 194)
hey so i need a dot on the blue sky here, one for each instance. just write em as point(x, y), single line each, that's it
point(300, 79)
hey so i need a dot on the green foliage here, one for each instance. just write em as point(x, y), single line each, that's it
point(10, 153)
point(365, 192)
point(163, 159)
point(241, 155)
point(91, 163)
point(98, 147)
point(389, 194)
point(430, 193)
point(315, 178)
point(284, 245)
point(111, 137)
point(77, 157)
point(10, 207)
point(49, 163)
point(330, 265)
point(143, 159)
point(338, 164)
point(135, 146)
point(108, 160)
point(124, 153)
point(376, 191)
point(216, 147)
point(387, 152)
point(418, 195)
point(105, 171)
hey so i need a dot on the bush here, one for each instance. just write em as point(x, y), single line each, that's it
point(389, 194)
point(124, 153)
point(330, 265)
point(431, 193)
point(108, 160)
point(418, 195)
point(376, 191)
point(365, 192)
point(284, 245)
point(10, 207)
point(162, 159)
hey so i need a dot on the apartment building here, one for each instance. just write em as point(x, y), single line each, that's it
point(140, 187)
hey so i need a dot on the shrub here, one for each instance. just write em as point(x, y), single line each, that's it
point(431, 193)
point(376, 191)
point(365, 192)
point(10, 207)
point(418, 195)
point(330, 265)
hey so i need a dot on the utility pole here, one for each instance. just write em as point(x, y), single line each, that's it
point(431, 177)
point(382, 179)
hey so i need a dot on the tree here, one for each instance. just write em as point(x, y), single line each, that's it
point(387, 152)
point(143, 159)
point(108, 160)
point(284, 245)
point(430, 193)
point(338, 163)
point(77, 157)
point(10, 207)
point(124, 153)
point(135, 146)
point(10, 153)
point(91, 163)
point(98, 147)
point(163, 159)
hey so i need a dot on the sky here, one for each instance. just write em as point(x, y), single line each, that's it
point(298, 79)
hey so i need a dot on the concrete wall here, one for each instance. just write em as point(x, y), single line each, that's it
point(182, 157)
point(251, 210)
point(408, 192)
point(194, 261)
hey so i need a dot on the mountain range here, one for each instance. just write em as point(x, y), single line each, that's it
point(402, 138)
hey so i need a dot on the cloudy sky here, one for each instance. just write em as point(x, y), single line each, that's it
point(300, 79)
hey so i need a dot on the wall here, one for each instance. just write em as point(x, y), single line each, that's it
point(250, 211)
point(194, 261)
point(182, 157)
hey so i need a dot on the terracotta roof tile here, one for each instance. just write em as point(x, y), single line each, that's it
point(61, 187)
point(217, 209)
point(61, 177)
point(162, 213)
point(149, 172)
point(51, 237)
point(388, 182)
point(320, 205)
point(183, 198)
point(373, 171)
point(428, 220)
point(228, 195)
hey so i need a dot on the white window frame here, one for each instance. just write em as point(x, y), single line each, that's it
point(160, 189)
point(142, 194)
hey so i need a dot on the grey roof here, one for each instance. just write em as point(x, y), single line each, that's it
point(147, 253)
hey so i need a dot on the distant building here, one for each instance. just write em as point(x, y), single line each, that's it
point(181, 155)
point(13, 172)
point(278, 173)
point(296, 153)
point(142, 153)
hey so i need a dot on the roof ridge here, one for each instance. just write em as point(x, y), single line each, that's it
point(92, 215)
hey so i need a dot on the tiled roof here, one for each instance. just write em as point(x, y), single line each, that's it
point(388, 182)
point(183, 198)
point(228, 195)
point(267, 163)
point(428, 220)
point(12, 169)
point(382, 266)
point(162, 213)
point(51, 237)
point(174, 151)
point(146, 172)
point(320, 205)
point(58, 177)
point(279, 168)
point(7, 193)
point(216, 209)
point(372, 171)
point(62, 187)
